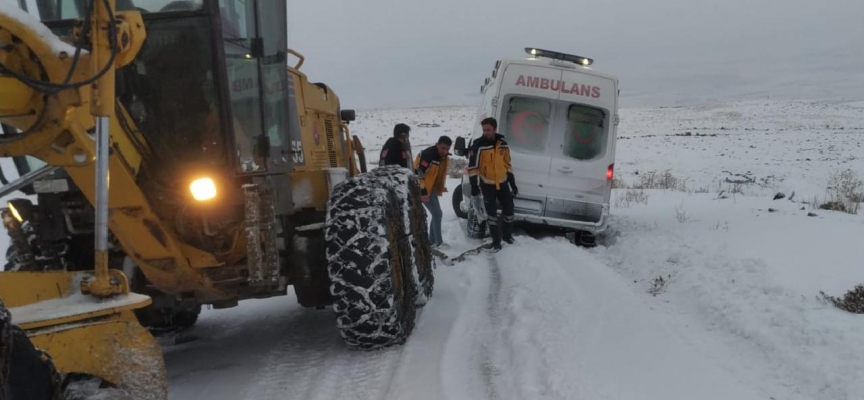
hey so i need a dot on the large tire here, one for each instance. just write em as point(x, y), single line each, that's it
point(457, 202)
point(423, 259)
point(161, 320)
point(28, 373)
point(306, 261)
point(156, 317)
point(85, 387)
point(313, 290)
point(407, 188)
point(370, 260)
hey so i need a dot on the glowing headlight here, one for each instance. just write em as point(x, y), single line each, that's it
point(15, 212)
point(203, 189)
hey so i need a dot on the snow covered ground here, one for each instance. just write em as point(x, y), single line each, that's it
point(694, 295)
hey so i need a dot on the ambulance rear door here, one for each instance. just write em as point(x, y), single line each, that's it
point(526, 106)
point(583, 153)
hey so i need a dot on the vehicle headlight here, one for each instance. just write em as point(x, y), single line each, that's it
point(203, 189)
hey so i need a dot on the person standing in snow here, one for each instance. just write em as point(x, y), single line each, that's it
point(431, 168)
point(491, 174)
point(397, 150)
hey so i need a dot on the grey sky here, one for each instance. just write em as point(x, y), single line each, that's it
point(392, 53)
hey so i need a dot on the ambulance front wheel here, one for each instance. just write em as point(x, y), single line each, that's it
point(476, 227)
point(457, 203)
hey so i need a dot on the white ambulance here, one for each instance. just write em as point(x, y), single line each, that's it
point(559, 118)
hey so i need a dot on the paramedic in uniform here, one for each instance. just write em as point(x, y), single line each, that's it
point(431, 166)
point(397, 150)
point(491, 174)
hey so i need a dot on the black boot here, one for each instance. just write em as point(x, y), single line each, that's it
point(507, 228)
point(495, 232)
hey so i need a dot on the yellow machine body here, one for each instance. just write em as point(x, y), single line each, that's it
point(178, 247)
point(84, 334)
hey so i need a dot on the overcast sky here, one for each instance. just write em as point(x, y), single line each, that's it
point(404, 53)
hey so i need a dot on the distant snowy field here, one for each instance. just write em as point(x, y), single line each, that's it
point(780, 146)
point(694, 295)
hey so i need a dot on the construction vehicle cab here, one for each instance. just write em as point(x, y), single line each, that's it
point(232, 177)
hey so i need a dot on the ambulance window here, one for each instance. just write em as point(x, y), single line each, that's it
point(526, 124)
point(586, 132)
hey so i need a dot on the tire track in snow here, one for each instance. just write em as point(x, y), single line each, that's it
point(312, 362)
point(470, 337)
point(576, 329)
point(490, 370)
point(432, 352)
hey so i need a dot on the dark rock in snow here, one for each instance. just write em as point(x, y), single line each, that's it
point(833, 206)
point(772, 210)
point(810, 214)
point(779, 196)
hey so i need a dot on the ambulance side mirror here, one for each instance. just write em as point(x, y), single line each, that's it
point(460, 147)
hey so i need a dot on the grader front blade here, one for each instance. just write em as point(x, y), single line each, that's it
point(88, 338)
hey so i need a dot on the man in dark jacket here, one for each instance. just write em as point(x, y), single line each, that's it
point(397, 150)
point(491, 174)
point(431, 167)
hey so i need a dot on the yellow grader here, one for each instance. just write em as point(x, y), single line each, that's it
point(171, 158)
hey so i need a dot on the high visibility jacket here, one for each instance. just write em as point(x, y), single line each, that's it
point(431, 169)
point(489, 160)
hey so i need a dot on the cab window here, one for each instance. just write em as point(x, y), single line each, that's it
point(274, 34)
point(526, 123)
point(586, 134)
point(239, 29)
point(53, 10)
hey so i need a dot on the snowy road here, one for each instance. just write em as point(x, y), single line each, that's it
point(542, 319)
point(506, 326)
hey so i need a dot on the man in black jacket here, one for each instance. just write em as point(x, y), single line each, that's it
point(397, 150)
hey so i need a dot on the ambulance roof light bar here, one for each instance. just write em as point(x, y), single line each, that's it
point(535, 52)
